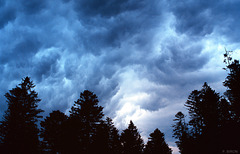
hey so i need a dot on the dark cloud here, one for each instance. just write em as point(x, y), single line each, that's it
point(201, 18)
point(45, 65)
point(33, 6)
point(193, 17)
point(110, 32)
point(227, 16)
point(183, 56)
point(26, 47)
point(105, 8)
point(8, 14)
point(2, 3)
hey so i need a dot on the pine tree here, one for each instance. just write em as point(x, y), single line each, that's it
point(180, 132)
point(231, 127)
point(114, 137)
point(106, 139)
point(19, 131)
point(224, 112)
point(101, 139)
point(156, 144)
point(232, 82)
point(53, 132)
point(86, 115)
point(131, 140)
point(203, 107)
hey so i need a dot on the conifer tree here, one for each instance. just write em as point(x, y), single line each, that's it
point(19, 131)
point(180, 132)
point(131, 140)
point(85, 116)
point(203, 107)
point(101, 139)
point(53, 132)
point(230, 130)
point(106, 139)
point(156, 144)
point(114, 137)
point(232, 82)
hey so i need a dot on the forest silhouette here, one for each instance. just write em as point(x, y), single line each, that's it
point(214, 120)
point(213, 125)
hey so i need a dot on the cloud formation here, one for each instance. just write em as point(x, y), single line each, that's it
point(141, 58)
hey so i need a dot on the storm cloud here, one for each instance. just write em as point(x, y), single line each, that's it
point(141, 57)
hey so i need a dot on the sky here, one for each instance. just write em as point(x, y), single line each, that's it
point(142, 58)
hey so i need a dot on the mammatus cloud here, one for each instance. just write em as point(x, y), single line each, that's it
point(141, 58)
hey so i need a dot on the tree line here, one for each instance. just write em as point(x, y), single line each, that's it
point(214, 121)
point(211, 126)
point(84, 131)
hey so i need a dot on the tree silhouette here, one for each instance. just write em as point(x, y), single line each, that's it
point(107, 139)
point(231, 124)
point(101, 139)
point(224, 112)
point(232, 82)
point(19, 132)
point(181, 133)
point(53, 133)
point(114, 137)
point(203, 107)
point(156, 144)
point(131, 140)
point(213, 125)
point(85, 115)
point(73, 136)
